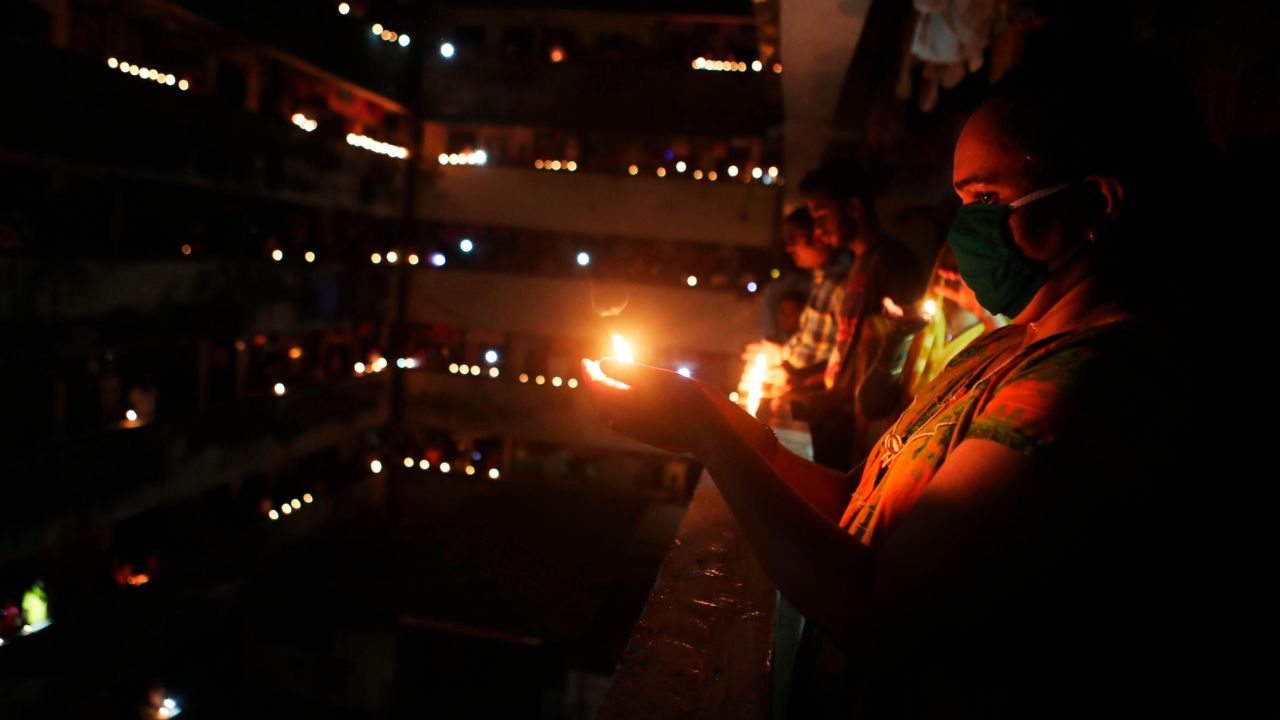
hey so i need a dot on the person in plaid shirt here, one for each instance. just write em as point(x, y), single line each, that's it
point(805, 354)
point(843, 211)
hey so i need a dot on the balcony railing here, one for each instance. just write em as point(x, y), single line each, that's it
point(715, 639)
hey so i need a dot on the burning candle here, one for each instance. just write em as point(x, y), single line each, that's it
point(622, 349)
point(622, 352)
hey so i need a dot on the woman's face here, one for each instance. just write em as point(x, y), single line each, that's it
point(990, 168)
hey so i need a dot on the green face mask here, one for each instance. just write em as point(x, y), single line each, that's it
point(1003, 279)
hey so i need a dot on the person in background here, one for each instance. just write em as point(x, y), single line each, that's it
point(790, 307)
point(804, 356)
point(790, 278)
point(921, 341)
point(843, 210)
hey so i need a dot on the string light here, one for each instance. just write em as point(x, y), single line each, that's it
point(494, 474)
point(466, 245)
point(633, 170)
point(468, 157)
point(702, 63)
point(186, 249)
point(408, 462)
point(684, 372)
point(556, 165)
point(131, 415)
point(437, 259)
point(491, 356)
point(446, 51)
point(692, 280)
point(572, 383)
point(584, 259)
point(712, 176)
point(306, 498)
point(404, 41)
point(756, 173)
point(375, 258)
point(279, 389)
point(413, 258)
point(733, 171)
point(343, 8)
point(309, 256)
point(424, 464)
point(540, 380)
point(493, 372)
point(556, 381)
point(304, 122)
point(444, 467)
point(752, 286)
point(697, 174)
point(274, 514)
point(375, 467)
point(524, 378)
point(557, 54)
point(471, 470)
point(382, 148)
point(295, 352)
point(777, 68)
point(277, 255)
point(392, 257)
point(662, 172)
point(680, 166)
point(145, 73)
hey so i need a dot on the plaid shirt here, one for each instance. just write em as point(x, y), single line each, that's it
point(813, 341)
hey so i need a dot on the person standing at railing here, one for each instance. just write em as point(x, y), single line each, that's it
point(1002, 551)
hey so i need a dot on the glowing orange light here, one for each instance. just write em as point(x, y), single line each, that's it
point(622, 349)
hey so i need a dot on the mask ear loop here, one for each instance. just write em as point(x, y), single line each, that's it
point(1038, 194)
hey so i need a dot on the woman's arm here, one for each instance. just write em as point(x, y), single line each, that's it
point(819, 567)
point(825, 489)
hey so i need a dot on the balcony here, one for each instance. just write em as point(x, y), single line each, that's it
point(554, 95)
point(96, 480)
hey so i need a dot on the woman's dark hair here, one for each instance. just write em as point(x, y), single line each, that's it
point(1124, 120)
